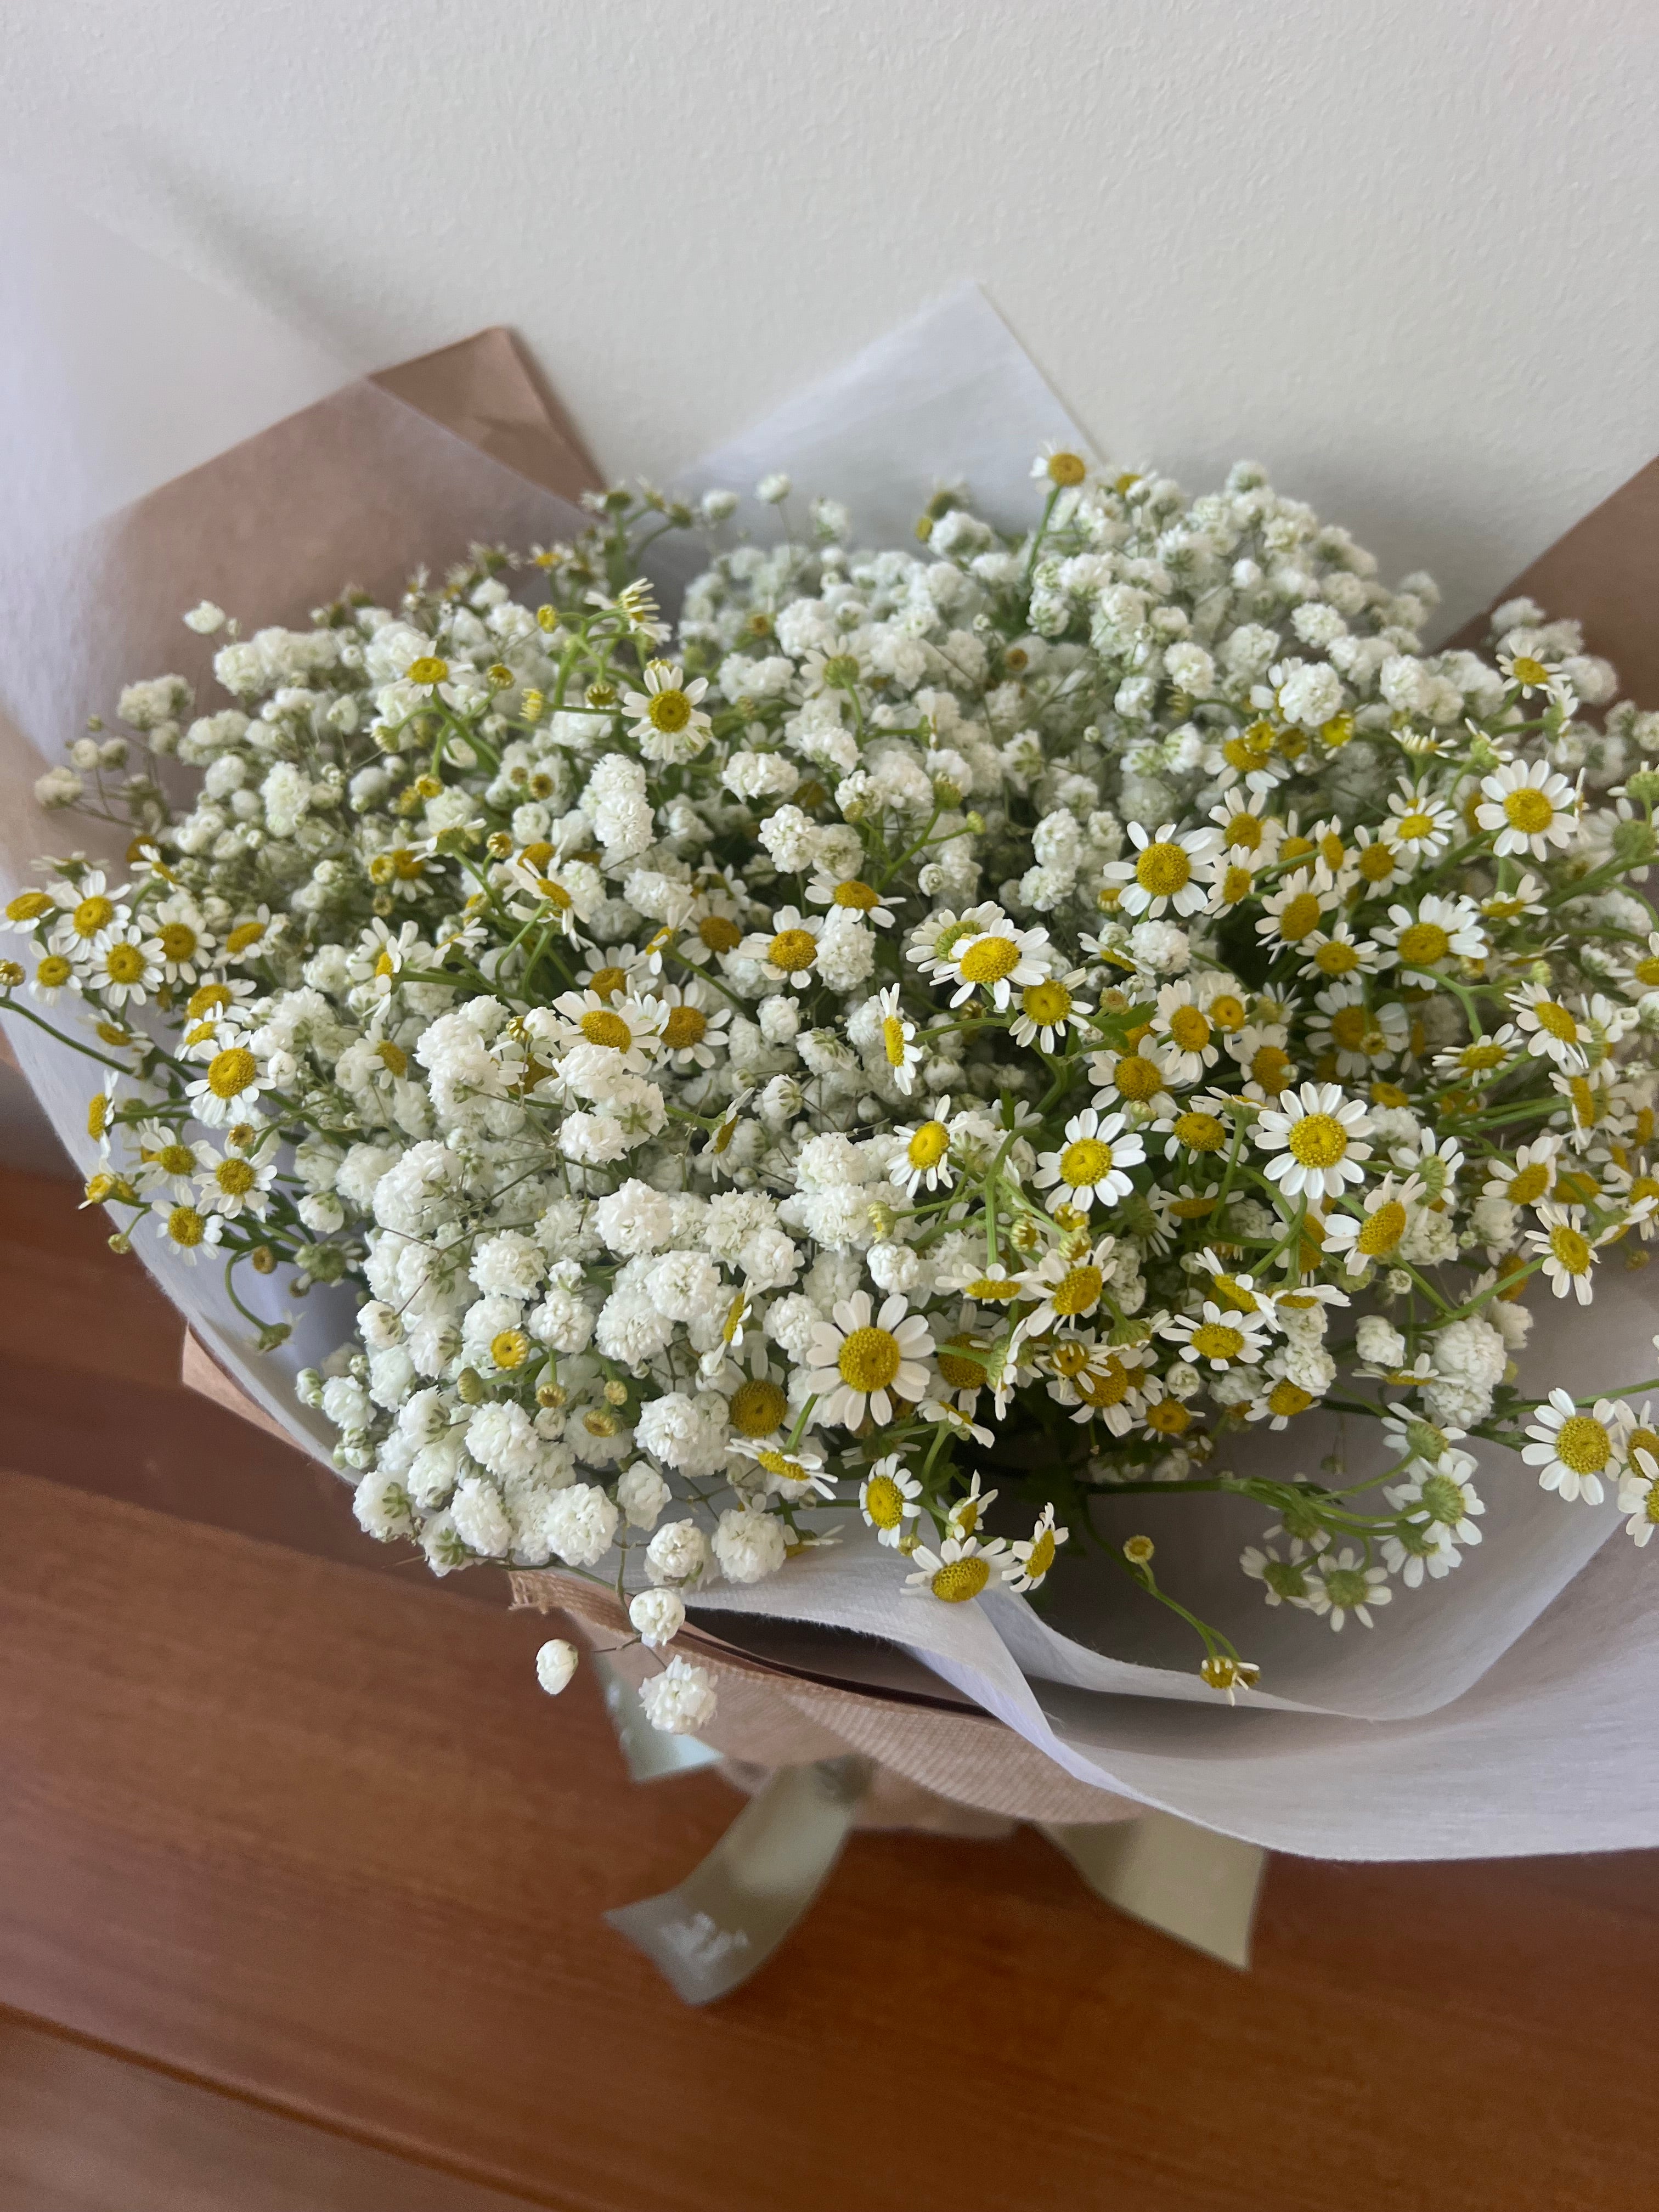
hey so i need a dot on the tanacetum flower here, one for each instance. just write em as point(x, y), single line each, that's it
point(1569, 1254)
point(1441, 929)
point(1034, 1555)
point(859, 1365)
point(899, 1049)
point(1373, 1236)
point(997, 960)
point(1639, 1496)
point(1048, 1009)
point(1340, 1584)
point(1165, 872)
point(925, 1162)
point(887, 1499)
point(667, 719)
point(1553, 1030)
point(1220, 1337)
point(1316, 1139)
point(960, 1569)
point(1091, 1167)
point(1530, 805)
point(1572, 1450)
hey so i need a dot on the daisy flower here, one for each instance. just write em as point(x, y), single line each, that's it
point(1441, 929)
point(1374, 1233)
point(966, 1515)
point(1336, 953)
point(853, 896)
point(1568, 1255)
point(1503, 908)
point(1553, 1030)
point(166, 1165)
point(1166, 871)
point(861, 1361)
point(1066, 1289)
point(231, 1083)
point(960, 1569)
point(1529, 1177)
point(887, 1499)
point(1483, 1059)
point(53, 972)
point(1246, 828)
point(1184, 1032)
point(1339, 1585)
point(234, 1182)
point(792, 1475)
point(1643, 973)
point(1531, 807)
point(608, 971)
point(1099, 1381)
point(997, 960)
point(844, 667)
point(1132, 1079)
point(712, 926)
point(1293, 912)
point(789, 949)
point(1444, 1502)
point(1639, 1496)
point(1034, 1555)
point(121, 965)
point(1198, 1127)
point(925, 1162)
point(668, 720)
point(991, 1284)
point(1060, 466)
point(1358, 1037)
point(1283, 1582)
point(185, 1229)
point(626, 1026)
point(1526, 671)
point(693, 1024)
point(1048, 1009)
point(1259, 1049)
point(1420, 824)
point(185, 942)
point(1280, 1399)
point(1316, 1138)
point(87, 907)
point(1089, 1167)
point(1220, 1337)
point(1572, 1450)
point(899, 1048)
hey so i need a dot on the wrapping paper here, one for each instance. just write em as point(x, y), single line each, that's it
point(1499, 1711)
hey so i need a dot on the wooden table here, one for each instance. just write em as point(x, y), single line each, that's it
point(301, 1880)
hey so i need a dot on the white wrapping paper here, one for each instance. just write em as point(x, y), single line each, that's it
point(1502, 1710)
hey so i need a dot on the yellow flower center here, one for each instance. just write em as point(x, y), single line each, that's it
point(883, 1501)
point(1528, 1185)
point(175, 1159)
point(1582, 1444)
point(959, 1580)
point(600, 1026)
point(1285, 1399)
point(1556, 1020)
point(1047, 1003)
point(1350, 1026)
point(91, 915)
point(1243, 829)
point(668, 711)
point(869, 1359)
point(857, 895)
point(1331, 850)
point(1528, 811)
point(792, 950)
point(1104, 1386)
point(1188, 1028)
point(28, 906)
point(408, 867)
point(1382, 1229)
point(1299, 918)
point(235, 1177)
point(53, 972)
point(1480, 1059)
point(511, 1348)
point(124, 963)
point(1647, 971)
point(1066, 469)
point(245, 934)
point(719, 932)
point(1526, 670)
point(392, 1058)
point(1164, 870)
point(1214, 1339)
point(1270, 1069)
point(758, 1406)
point(1231, 1293)
point(1085, 1163)
point(1318, 1141)
point(1337, 958)
point(1077, 1291)
point(1423, 944)
point(1572, 1250)
point(428, 669)
point(1414, 826)
point(1169, 1418)
point(994, 1290)
point(1376, 863)
point(1040, 1557)
point(185, 1225)
point(1137, 1078)
point(179, 940)
point(1296, 848)
point(230, 1073)
point(1200, 1132)
point(686, 1026)
point(1226, 1014)
point(892, 1040)
point(1642, 1440)
point(988, 959)
point(605, 982)
point(929, 1145)
point(961, 1374)
point(1237, 884)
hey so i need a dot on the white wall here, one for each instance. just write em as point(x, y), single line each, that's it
point(1402, 252)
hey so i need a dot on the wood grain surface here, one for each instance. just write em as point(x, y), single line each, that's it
point(308, 1838)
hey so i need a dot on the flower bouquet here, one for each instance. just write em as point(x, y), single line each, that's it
point(1022, 1087)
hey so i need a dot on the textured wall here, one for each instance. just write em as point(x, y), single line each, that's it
point(1400, 252)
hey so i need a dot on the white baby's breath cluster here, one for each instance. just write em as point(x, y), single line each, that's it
point(987, 1020)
